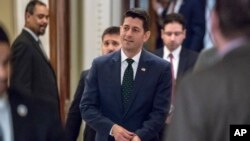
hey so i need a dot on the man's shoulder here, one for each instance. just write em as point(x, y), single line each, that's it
point(155, 60)
point(158, 52)
point(114, 56)
point(23, 41)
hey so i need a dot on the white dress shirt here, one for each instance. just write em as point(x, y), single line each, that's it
point(124, 63)
point(5, 118)
point(176, 58)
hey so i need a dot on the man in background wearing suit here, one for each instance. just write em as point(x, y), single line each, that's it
point(111, 42)
point(32, 72)
point(24, 118)
point(182, 60)
point(127, 93)
point(173, 34)
point(211, 100)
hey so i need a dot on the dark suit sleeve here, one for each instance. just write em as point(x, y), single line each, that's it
point(89, 105)
point(21, 78)
point(74, 119)
point(160, 108)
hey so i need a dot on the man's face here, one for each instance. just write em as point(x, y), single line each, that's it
point(173, 35)
point(4, 66)
point(132, 34)
point(39, 20)
point(111, 43)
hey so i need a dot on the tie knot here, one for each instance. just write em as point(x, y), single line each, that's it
point(170, 56)
point(130, 61)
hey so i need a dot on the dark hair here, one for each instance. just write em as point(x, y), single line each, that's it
point(31, 6)
point(174, 17)
point(3, 36)
point(111, 30)
point(234, 17)
point(141, 14)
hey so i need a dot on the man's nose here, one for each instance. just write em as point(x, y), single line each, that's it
point(172, 37)
point(111, 47)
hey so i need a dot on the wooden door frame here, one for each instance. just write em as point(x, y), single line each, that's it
point(59, 11)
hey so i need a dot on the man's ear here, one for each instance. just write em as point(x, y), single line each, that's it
point(214, 22)
point(146, 36)
point(216, 34)
point(27, 15)
point(185, 33)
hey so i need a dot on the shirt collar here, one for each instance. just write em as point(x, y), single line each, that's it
point(231, 45)
point(3, 100)
point(176, 52)
point(135, 58)
point(31, 33)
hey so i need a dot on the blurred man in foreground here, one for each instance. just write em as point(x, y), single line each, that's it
point(209, 101)
point(22, 117)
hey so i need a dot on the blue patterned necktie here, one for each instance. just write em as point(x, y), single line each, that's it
point(127, 84)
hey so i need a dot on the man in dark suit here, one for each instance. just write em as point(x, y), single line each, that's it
point(110, 42)
point(182, 60)
point(32, 71)
point(173, 34)
point(211, 100)
point(24, 118)
point(127, 93)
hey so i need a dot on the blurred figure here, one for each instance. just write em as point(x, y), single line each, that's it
point(209, 101)
point(206, 59)
point(193, 12)
point(23, 118)
point(111, 42)
point(127, 92)
point(32, 71)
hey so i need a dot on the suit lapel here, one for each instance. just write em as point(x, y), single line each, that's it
point(38, 49)
point(141, 72)
point(182, 63)
point(116, 77)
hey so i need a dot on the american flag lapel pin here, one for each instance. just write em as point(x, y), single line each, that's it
point(143, 69)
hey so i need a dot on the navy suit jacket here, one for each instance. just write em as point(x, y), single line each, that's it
point(186, 63)
point(101, 104)
point(193, 12)
point(40, 123)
